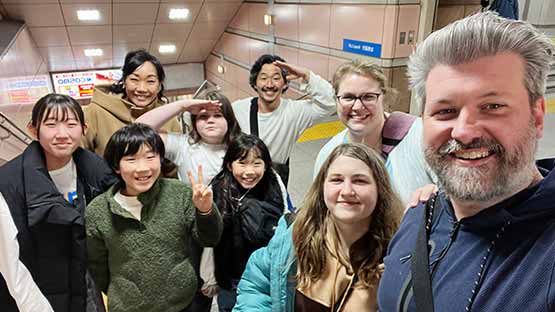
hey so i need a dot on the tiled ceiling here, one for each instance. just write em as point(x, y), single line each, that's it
point(124, 25)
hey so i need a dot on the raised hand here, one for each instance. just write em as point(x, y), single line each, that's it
point(195, 106)
point(422, 194)
point(202, 194)
point(294, 71)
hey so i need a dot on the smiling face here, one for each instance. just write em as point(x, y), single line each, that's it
point(249, 170)
point(211, 126)
point(59, 135)
point(480, 133)
point(269, 85)
point(142, 86)
point(139, 171)
point(350, 192)
point(360, 119)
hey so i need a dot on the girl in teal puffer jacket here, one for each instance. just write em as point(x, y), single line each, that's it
point(329, 257)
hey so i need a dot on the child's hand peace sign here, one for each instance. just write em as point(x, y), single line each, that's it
point(202, 194)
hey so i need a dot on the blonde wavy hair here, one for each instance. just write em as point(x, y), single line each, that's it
point(310, 226)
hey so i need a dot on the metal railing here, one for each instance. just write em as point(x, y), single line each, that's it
point(13, 130)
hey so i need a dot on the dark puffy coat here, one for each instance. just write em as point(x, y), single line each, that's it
point(51, 231)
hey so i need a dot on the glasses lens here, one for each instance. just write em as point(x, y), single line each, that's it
point(369, 98)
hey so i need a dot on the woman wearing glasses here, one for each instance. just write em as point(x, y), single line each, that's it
point(361, 93)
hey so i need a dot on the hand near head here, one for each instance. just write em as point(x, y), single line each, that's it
point(195, 106)
point(422, 194)
point(202, 194)
point(294, 71)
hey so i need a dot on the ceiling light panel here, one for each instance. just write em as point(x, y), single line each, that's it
point(88, 15)
point(93, 52)
point(166, 48)
point(178, 14)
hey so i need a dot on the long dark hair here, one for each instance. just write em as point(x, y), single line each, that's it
point(134, 60)
point(226, 188)
point(233, 128)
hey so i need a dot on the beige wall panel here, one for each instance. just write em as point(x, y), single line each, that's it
point(217, 11)
point(287, 21)
point(230, 74)
point(37, 15)
point(356, 22)
point(241, 19)
point(391, 17)
point(448, 14)
point(409, 16)
point(399, 81)
point(196, 50)
point(334, 63)
point(211, 66)
point(242, 78)
point(258, 48)
point(256, 18)
point(291, 55)
point(28, 52)
point(236, 47)
point(316, 62)
point(314, 24)
point(471, 9)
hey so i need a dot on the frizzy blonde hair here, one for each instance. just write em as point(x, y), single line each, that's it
point(309, 228)
point(368, 70)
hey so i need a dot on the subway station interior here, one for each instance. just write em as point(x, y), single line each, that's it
point(71, 46)
point(47, 46)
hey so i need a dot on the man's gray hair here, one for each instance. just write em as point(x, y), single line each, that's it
point(479, 35)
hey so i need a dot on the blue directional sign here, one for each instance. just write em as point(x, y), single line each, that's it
point(362, 47)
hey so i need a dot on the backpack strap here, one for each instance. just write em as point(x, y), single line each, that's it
point(395, 128)
point(253, 117)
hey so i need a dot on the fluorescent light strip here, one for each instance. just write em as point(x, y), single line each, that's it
point(93, 52)
point(88, 15)
point(178, 14)
point(166, 48)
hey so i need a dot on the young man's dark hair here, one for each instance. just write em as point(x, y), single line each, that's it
point(128, 140)
point(261, 61)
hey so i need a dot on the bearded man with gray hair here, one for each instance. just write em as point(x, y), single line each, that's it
point(486, 242)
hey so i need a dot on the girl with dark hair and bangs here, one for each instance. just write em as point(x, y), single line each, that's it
point(138, 232)
point(251, 198)
point(47, 188)
point(139, 90)
point(328, 258)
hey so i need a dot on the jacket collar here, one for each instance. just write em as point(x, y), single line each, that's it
point(148, 199)
point(44, 202)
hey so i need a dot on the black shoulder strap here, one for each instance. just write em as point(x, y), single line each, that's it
point(254, 116)
point(420, 266)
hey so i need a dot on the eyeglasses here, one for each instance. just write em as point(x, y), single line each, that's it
point(369, 98)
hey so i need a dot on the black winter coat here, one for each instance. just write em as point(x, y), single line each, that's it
point(51, 232)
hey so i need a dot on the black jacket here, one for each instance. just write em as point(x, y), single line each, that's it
point(234, 249)
point(51, 232)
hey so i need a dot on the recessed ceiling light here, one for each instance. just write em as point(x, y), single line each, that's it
point(166, 48)
point(88, 15)
point(93, 52)
point(178, 13)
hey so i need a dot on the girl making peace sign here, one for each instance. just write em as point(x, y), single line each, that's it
point(139, 230)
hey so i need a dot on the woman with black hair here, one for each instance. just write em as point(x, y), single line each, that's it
point(139, 90)
point(251, 198)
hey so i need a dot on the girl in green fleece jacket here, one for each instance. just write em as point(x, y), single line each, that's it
point(137, 232)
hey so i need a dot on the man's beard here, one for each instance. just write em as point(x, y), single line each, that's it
point(486, 182)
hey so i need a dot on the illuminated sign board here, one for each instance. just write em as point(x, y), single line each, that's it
point(80, 85)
